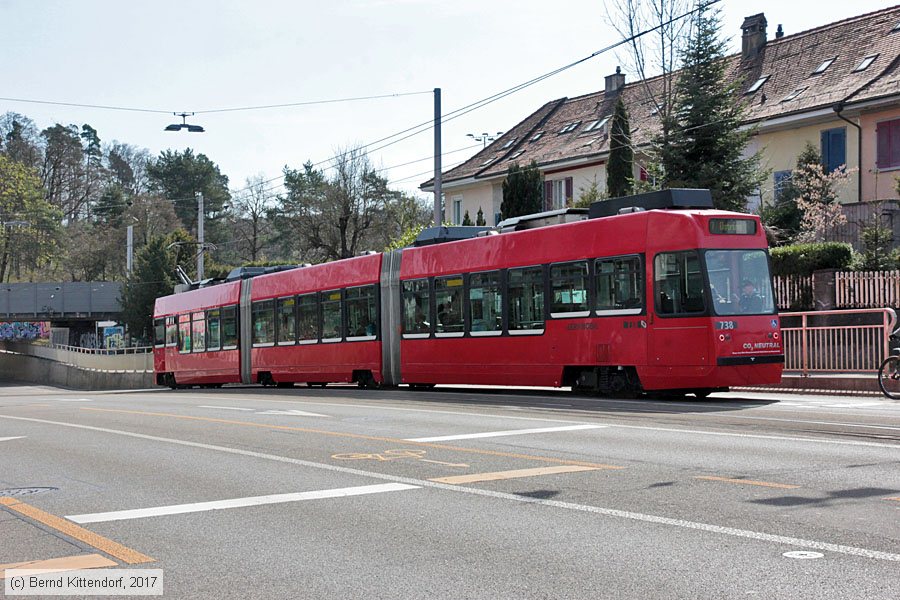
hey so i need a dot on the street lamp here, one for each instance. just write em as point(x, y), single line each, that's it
point(184, 124)
point(485, 137)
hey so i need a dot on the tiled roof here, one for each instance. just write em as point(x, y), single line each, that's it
point(788, 62)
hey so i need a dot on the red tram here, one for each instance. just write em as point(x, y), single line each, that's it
point(656, 292)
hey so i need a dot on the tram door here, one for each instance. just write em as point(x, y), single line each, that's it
point(679, 333)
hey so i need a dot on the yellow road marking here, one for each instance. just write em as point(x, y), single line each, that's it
point(389, 455)
point(783, 486)
point(114, 549)
point(897, 498)
point(497, 475)
point(66, 563)
point(360, 436)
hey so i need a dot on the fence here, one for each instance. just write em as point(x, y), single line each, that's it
point(836, 340)
point(867, 289)
point(794, 292)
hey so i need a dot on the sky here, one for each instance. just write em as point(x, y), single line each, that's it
point(196, 56)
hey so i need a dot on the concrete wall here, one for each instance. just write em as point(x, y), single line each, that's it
point(32, 369)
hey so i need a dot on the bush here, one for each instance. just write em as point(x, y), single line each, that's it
point(803, 259)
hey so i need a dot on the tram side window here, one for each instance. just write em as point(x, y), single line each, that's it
point(331, 316)
point(308, 318)
point(287, 320)
point(263, 314)
point(198, 329)
point(361, 313)
point(171, 332)
point(416, 307)
point(229, 328)
point(679, 283)
point(486, 303)
point(526, 299)
point(159, 332)
point(448, 298)
point(619, 284)
point(213, 329)
point(570, 290)
point(184, 333)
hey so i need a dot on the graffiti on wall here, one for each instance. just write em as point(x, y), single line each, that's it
point(23, 330)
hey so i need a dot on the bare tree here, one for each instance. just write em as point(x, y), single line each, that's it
point(250, 206)
point(653, 57)
point(336, 215)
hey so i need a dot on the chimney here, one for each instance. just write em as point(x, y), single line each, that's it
point(754, 38)
point(779, 33)
point(615, 82)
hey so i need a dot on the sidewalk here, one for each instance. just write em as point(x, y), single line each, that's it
point(834, 383)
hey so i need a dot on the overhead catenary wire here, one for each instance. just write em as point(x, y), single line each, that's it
point(455, 114)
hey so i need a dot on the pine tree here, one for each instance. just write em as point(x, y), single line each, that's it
point(706, 143)
point(152, 278)
point(619, 173)
point(522, 191)
point(479, 218)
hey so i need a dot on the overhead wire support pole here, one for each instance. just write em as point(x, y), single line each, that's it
point(200, 235)
point(438, 209)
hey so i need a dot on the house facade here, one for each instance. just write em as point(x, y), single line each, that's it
point(836, 86)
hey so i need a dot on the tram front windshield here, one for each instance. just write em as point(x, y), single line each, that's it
point(739, 282)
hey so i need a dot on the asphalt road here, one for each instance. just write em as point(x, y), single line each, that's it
point(458, 493)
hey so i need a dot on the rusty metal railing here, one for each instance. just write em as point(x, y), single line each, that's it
point(836, 341)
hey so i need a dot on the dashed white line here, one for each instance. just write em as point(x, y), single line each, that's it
point(180, 509)
point(489, 434)
point(75, 400)
point(6, 439)
point(227, 408)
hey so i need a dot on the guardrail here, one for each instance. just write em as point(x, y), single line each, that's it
point(125, 360)
point(837, 341)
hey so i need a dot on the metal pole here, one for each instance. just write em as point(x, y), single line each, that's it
point(438, 209)
point(129, 257)
point(200, 235)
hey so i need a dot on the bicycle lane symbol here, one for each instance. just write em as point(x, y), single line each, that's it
point(391, 455)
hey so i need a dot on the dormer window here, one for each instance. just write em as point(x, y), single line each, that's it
point(793, 94)
point(569, 127)
point(536, 136)
point(896, 27)
point(825, 64)
point(488, 161)
point(589, 142)
point(516, 154)
point(757, 84)
point(598, 124)
point(866, 63)
point(509, 143)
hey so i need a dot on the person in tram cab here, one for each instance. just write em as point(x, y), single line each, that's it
point(750, 300)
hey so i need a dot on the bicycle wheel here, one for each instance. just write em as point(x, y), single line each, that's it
point(889, 377)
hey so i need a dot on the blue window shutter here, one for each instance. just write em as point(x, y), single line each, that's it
point(834, 148)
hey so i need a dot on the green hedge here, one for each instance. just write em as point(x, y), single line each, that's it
point(803, 259)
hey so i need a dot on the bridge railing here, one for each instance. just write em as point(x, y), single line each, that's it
point(837, 341)
point(125, 360)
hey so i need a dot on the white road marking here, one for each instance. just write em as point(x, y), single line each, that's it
point(609, 512)
point(290, 413)
point(489, 434)
point(6, 439)
point(75, 400)
point(228, 408)
point(761, 437)
point(180, 509)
